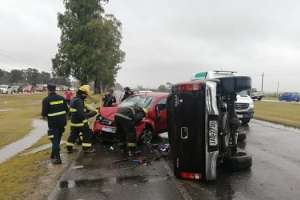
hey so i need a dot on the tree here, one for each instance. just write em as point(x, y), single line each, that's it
point(4, 77)
point(162, 88)
point(16, 76)
point(44, 77)
point(89, 48)
point(31, 76)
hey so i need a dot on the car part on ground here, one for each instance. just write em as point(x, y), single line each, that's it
point(203, 125)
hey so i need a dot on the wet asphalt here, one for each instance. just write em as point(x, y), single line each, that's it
point(275, 173)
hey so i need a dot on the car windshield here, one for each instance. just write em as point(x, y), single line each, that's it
point(244, 93)
point(142, 101)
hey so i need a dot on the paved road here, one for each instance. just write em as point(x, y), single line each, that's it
point(275, 173)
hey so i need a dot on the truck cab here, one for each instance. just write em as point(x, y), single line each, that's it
point(244, 105)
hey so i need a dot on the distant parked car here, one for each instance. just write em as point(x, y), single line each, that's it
point(14, 89)
point(41, 88)
point(256, 95)
point(28, 89)
point(4, 89)
point(290, 96)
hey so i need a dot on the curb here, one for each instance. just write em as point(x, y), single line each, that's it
point(53, 195)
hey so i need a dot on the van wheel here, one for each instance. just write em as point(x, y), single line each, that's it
point(147, 136)
point(245, 121)
point(238, 162)
point(241, 137)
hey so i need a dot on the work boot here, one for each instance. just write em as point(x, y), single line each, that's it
point(131, 151)
point(56, 161)
point(122, 146)
point(89, 150)
point(69, 149)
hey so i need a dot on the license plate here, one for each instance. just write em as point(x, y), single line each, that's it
point(240, 116)
point(109, 129)
point(213, 133)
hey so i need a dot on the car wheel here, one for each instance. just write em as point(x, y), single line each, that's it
point(147, 136)
point(238, 162)
point(245, 121)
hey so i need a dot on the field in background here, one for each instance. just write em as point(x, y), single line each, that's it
point(278, 112)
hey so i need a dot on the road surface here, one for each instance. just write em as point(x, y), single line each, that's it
point(275, 173)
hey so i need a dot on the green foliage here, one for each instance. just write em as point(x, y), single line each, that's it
point(27, 76)
point(90, 43)
point(16, 76)
point(162, 88)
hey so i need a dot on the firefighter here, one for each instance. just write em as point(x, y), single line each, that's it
point(126, 118)
point(55, 109)
point(128, 93)
point(109, 99)
point(79, 121)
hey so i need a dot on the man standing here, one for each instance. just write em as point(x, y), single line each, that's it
point(128, 93)
point(79, 121)
point(126, 118)
point(68, 94)
point(109, 99)
point(55, 109)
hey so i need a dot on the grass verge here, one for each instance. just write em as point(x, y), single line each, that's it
point(16, 114)
point(31, 176)
point(277, 112)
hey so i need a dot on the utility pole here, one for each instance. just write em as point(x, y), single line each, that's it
point(277, 88)
point(262, 81)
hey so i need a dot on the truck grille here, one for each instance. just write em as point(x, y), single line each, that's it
point(241, 106)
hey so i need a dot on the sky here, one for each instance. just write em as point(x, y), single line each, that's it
point(170, 40)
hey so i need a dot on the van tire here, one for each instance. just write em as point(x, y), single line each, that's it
point(238, 162)
point(242, 137)
point(245, 121)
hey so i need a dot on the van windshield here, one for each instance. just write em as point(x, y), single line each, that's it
point(244, 93)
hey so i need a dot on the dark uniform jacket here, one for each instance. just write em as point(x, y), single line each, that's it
point(126, 95)
point(55, 109)
point(108, 100)
point(79, 113)
point(132, 113)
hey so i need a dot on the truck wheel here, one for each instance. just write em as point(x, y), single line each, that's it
point(238, 162)
point(242, 137)
point(147, 136)
point(245, 121)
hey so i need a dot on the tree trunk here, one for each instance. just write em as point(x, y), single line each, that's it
point(97, 86)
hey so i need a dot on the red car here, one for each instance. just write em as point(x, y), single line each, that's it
point(153, 124)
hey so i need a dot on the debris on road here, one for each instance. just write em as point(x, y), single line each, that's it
point(78, 167)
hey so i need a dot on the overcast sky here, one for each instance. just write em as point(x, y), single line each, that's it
point(170, 40)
